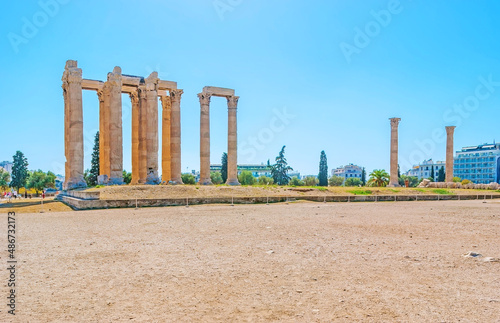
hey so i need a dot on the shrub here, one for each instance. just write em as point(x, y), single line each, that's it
point(188, 179)
point(216, 177)
point(456, 179)
point(295, 181)
point(246, 178)
point(352, 182)
point(335, 181)
point(311, 181)
point(465, 182)
point(264, 180)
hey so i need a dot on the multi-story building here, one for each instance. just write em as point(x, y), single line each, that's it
point(6, 165)
point(479, 164)
point(348, 171)
point(424, 170)
point(257, 170)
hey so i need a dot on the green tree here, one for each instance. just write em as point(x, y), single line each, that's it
point(313, 181)
point(4, 179)
point(432, 177)
point(456, 179)
point(127, 177)
point(38, 180)
point(323, 170)
point(216, 178)
point(94, 168)
point(295, 181)
point(188, 178)
point(280, 170)
point(413, 181)
point(223, 170)
point(246, 178)
point(363, 177)
point(441, 175)
point(19, 171)
point(379, 178)
point(335, 181)
point(264, 180)
point(352, 181)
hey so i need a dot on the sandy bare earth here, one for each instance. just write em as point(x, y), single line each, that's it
point(299, 262)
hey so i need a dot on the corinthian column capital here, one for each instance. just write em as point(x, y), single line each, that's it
point(175, 95)
point(232, 101)
point(394, 122)
point(450, 130)
point(204, 98)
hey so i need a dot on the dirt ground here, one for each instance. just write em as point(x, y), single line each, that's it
point(296, 262)
point(194, 191)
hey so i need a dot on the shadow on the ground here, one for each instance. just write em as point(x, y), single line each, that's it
point(22, 204)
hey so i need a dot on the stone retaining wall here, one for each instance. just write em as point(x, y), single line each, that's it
point(87, 203)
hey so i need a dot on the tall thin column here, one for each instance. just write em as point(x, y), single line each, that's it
point(449, 153)
point(142, 146)
point(73, 126)
point(152, 128)
point(115, 127)
point(134, 97)
point(175, 136)
point(232, 168)
point(394, 180)
point(166, 157)
point(204, 138)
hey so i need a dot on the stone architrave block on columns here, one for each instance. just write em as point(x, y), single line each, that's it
point(449, 153)
point(394, 180)
point(73, 126)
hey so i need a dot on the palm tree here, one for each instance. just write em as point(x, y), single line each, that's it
point(379, 178)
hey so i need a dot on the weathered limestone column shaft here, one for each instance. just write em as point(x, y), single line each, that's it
point(232, 167)
point(152, 128)
point(134, 98)
point(166, 157)
point(115, 127)
point(73, 125)
point(104, 159)
point(394, 180)
point(142, 146)
point(100, 95)
point(449, 153)
point(205, 139)
point(175, 137)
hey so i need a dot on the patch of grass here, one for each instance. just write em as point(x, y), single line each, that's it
point(419, 190)
point(322, 189)
point(442, 191)
point(393, 190)
point(360, 192)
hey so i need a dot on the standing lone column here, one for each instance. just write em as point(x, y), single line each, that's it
point(73, 126)
point(143, 152)
point(232, 166)
point(394, 181)
point(205, 139)
point(166, 173)
point(449, 153)
point(115, 127)
point(134, 98)
point(152, 128)
point(175, 136)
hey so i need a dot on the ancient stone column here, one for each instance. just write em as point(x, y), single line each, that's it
point(232, 168)
point(104, 149)
point(394, 181)
point(73, 126)
point(115, 127)
point(166, 157)
point(205, 139)
point(175, 137)
point(142, 146)
point(449, 153)
point(152, 128)
point(134, 97)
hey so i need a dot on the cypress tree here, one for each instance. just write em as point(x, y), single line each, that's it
point(223, 170)
point(323, 170)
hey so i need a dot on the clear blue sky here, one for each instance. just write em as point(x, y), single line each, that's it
point(341, 68)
